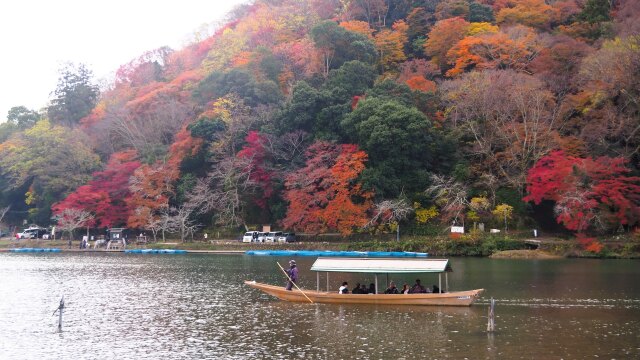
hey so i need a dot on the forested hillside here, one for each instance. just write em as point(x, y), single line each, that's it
point(350, 116)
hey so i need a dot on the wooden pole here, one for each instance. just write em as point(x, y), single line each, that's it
point(294, 284)
point(446, 282)
point(491, 323)
point(376, 289)
point(328, 281)
point(59, 310)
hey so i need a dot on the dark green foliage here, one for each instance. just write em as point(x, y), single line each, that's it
point(239, 82)
point(340, 45)
point(595, 11)
point(22, 117)
point(461, 172)
point(184, 186)
point(419, 22)
point(319, 111)
point(206, 128)
point(300, 113)
point(480, 13)
point(352, 78)
point(271, 67)
point(391, 90)
point(417, 46)
point(511, 197)
point(400, 142)
point(74, 97)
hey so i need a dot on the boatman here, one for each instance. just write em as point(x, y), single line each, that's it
point(293, 274)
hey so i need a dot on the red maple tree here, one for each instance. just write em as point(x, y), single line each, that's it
point(588, 192)
point(256, 154)
point(105, 195)
point(324, 195)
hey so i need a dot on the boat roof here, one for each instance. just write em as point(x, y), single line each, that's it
point(368, 265)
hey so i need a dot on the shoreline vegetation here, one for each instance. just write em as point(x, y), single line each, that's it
point(497, 247)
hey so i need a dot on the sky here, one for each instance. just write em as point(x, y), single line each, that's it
point(37, 37)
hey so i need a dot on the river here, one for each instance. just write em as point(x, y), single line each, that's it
point(125, 306)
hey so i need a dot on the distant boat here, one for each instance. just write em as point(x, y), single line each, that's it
point(375, 266)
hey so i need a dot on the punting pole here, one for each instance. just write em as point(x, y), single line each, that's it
point(491, 322)
point(294, 284)
point(318, 281)
point(440, 283)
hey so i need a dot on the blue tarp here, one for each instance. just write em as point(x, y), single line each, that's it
point(21, 250)
point(155, 251)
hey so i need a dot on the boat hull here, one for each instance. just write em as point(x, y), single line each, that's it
point(456, 298)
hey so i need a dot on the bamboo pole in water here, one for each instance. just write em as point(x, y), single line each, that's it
point(491, 323)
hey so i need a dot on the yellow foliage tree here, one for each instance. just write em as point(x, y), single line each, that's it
point(534, 13)
point(503, 211)
point(478, 28)
point(424, 215)
point(390, 45)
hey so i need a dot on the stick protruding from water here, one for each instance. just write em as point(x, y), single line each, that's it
point(491, 323)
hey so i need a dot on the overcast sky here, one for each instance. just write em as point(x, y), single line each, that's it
point(38, 36)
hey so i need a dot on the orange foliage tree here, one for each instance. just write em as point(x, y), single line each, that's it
point(512, 50)
point(151, 186)
point(324, 195)
point(360, 27)
point(442, 37)
point(418, 82)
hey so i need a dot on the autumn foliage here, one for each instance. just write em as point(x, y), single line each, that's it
point(590, 194)
point(288, 111)
point(324, 195)
point(104, 196)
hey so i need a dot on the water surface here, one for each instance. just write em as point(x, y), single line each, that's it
point(128, 306)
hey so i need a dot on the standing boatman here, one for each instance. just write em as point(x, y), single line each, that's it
point(293, 274)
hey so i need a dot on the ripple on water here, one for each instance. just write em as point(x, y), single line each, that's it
point(143, 307)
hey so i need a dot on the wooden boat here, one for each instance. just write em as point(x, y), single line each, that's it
point(376, 266)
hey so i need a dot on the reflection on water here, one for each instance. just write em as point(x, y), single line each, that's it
point(194, 306)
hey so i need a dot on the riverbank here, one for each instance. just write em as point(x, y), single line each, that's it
point(494, 246)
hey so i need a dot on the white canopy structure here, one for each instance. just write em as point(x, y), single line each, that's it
point(380, 266)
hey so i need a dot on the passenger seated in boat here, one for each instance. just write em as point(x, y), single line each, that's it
point(344, 289)
point(363, 289)
point(357, 290)
point(372, 289)
point(417, 288)
point(392, 289)
point(405, 289)
point(436, 289)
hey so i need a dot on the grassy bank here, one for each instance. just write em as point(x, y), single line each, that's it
point(482, 246)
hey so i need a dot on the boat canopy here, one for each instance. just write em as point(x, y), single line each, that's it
point(380, 266)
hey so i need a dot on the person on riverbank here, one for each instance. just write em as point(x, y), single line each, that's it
point(293, 275)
